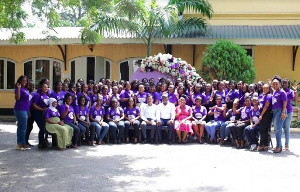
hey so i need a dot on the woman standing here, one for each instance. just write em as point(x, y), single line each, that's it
point(58, 93)
point(265, 118)
point(279, 103)
point(21, 110)
point(292, 95)
point(40, 103)
point(30, 120)
point(97, 113)
point(183, 118)
point(55, 125)
point(84, 92)
point(132, 114)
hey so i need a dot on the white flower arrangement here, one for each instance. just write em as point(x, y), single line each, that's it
point(169, 65)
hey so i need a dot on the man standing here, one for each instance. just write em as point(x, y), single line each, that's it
point(148, 116)
point(165, 117)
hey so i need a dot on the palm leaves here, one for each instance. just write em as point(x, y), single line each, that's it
point(145, 21)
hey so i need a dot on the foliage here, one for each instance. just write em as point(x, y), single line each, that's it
point(295, 124)
point(227, 60)
point(169, 65)
point(202, 6)
point(147, 21)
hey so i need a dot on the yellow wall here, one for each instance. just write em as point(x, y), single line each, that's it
point(115, 53)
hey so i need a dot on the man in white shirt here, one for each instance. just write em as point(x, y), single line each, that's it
point(148, 116)
point(165, 117)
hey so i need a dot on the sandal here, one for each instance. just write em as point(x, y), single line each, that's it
point(287, 148)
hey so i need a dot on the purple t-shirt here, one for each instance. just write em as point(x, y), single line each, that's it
point(222, 94)
point(290, 97)
point(115, 113)
point(233, 94)
point(263, 99)
point(218, 114)
point(278, 98)
point(59, 97)
point(23, 103)
point(105, 98)
point(74, 102)
point(82, 112)
point(117, 97)
point(172, 98)
point(87, 98)
point(132, 113)
point(97, 114)
point(48, 92)
point(245, 113)
point(69, 118)
point(50, 113)
point(255, 114)
point(141, 98)
point(93, 98)
point(41, 100)
point(199, 112)
point(125, 94)
point(155, 96)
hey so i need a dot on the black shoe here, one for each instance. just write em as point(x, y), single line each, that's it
point(145, 141)
point(29, 145)
point(170, 142)
point(152, 141)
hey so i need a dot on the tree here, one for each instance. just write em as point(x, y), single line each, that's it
point(227, 60)
point(147, 21)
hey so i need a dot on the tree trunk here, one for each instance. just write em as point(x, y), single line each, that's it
point(149, 44)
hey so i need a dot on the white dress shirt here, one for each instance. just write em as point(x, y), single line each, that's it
point(148, 111)
point(166, 111)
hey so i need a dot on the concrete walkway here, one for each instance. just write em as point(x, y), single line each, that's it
point(192, 167)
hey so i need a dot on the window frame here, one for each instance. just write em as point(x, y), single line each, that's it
point(50, 66)
point(249, 47)
point(130, 63)
point(5, 73)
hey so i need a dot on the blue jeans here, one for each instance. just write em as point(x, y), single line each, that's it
point(225, 129)
point(39, 118)
point(211, 128)
point(113, 129)
point(251, 134)
point(286, 127)
point(104, 128)
point(22, 117)
point(164, 122)
point(78, 131)
point(278, 123)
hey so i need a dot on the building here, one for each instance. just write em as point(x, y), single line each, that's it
point(269, 30)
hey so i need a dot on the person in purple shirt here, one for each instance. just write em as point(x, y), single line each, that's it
point(30, 120)
point(97, 113)
point(132, 115)
point(82, 115)
point(125, 94)
point(115, 116)
point(199, 115)
point(40, 102)
point(41, 83)
point(244, 93)
point(219, 118)
point(155, 95)
point(55, 126)
point(72, 92)
point(134, 86)
point(238, 129)
point(114, 95)
point(21, 110)
point(68, 116)
point(220, 91)
point(141, 96)
point(172, 96)
point(58, 93)
point(252, 129)
point(91, 85)
point(231, 95)
point(292, 95)
point(279, 103)
point(105, 97)
point(93, 94)
point(84, 92)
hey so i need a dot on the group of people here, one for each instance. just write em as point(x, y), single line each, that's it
point(89, 112)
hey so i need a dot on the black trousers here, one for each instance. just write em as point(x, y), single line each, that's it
point(90, 131)
point(29, 127)
point(136, 125)
point(238, 131)
point(265, 127)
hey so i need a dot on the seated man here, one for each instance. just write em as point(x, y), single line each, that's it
point(165, 117)
point(148, 116)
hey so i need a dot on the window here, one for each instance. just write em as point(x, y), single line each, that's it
point(90, 68)
point(249, 50)
point(127, 68)
point(41, 68)
point(7, 74)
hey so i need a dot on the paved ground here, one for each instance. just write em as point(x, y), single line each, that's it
point(147, 167)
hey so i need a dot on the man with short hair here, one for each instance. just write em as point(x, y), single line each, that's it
point(148, 116)
point(165, 117)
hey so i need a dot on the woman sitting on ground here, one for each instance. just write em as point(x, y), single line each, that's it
point(97, 113)
point(183, 119)
point(199, 114)
point(55, 126)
